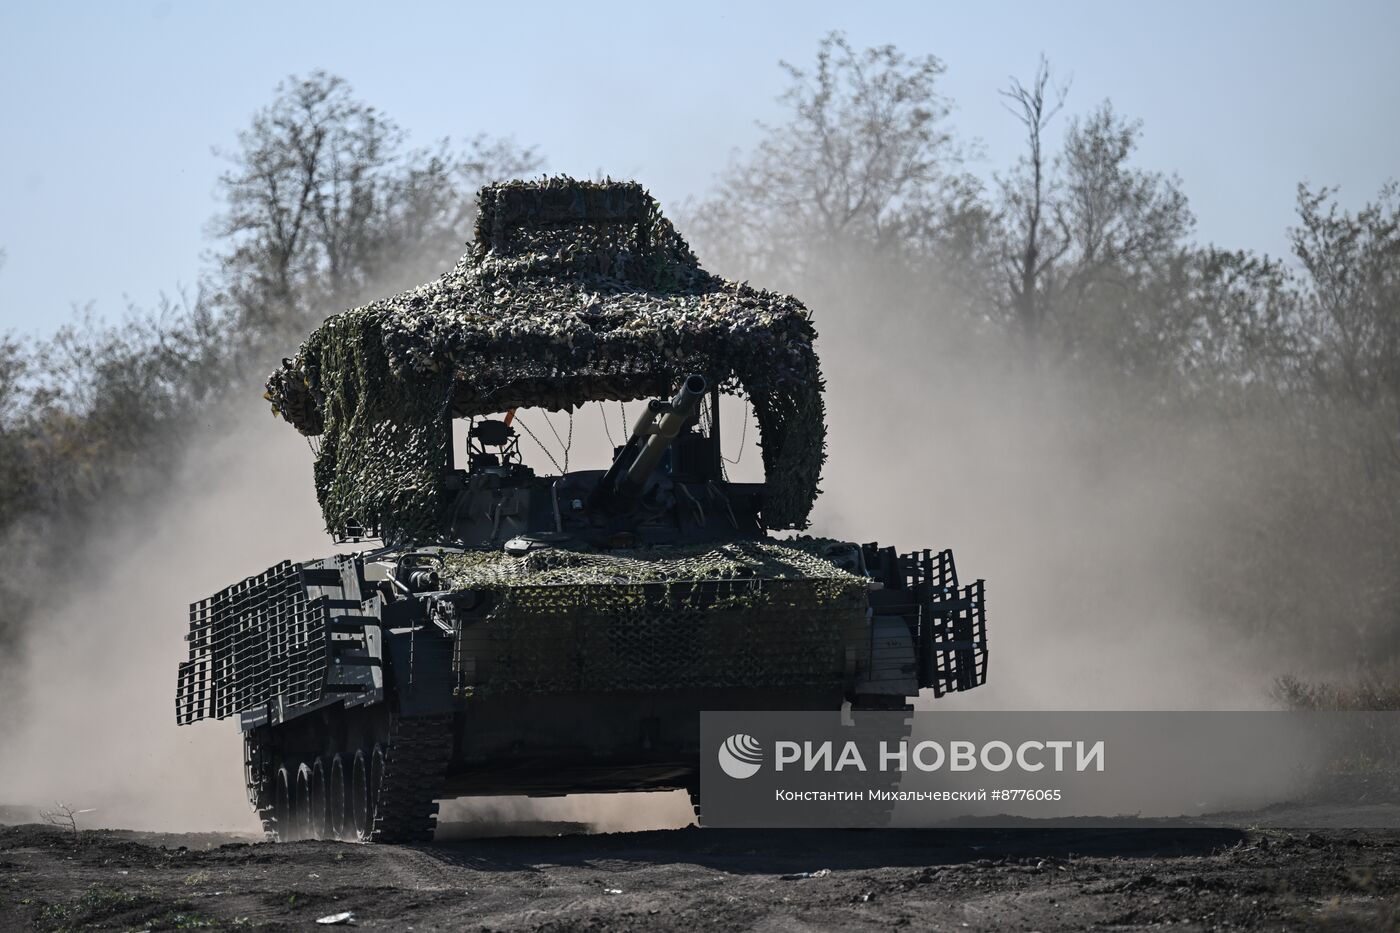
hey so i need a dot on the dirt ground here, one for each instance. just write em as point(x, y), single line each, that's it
point(692, 879)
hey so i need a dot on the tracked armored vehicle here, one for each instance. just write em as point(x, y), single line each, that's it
point(521, 633)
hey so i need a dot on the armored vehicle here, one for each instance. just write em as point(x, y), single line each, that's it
point(528, 634)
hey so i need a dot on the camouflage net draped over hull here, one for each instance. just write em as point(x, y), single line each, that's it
point(744, 614)
point(733, 560)
point(572, 292)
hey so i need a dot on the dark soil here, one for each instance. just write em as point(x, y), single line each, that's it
point(691, 879)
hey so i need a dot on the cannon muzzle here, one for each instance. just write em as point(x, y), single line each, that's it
point(654, 431)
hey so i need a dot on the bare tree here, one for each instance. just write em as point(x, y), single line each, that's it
point(1035, 237)
point(1093, 250)
point(854, 170)
point(65, 817)
point(325, 204)
point(307, 165)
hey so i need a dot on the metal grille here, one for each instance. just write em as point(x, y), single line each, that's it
point(939, 570)
point(718, 633)
point(956, 639)
point(257, 642)
point(952, 622)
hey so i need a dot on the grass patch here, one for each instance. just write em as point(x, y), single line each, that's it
point(96, 904)
point(102, 907)
point(181, 920)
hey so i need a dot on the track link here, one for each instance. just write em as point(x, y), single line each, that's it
point(415, 765)
point(257, 776)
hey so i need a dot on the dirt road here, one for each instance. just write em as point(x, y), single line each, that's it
point(691, 879)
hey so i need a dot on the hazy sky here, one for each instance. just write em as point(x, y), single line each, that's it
point(110, 110)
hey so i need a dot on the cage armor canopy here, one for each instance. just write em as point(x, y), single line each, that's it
point(572, 292)
point(520, 633)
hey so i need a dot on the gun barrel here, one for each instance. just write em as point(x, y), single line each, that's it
point(656, 429)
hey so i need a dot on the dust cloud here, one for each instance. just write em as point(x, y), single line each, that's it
point(1088, 522)
point(90, 714)
point(600, 813)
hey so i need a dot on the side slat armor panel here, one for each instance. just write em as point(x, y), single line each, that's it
point(266, 642)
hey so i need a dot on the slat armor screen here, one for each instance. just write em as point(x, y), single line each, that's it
point(252, 644)
point(952, 622)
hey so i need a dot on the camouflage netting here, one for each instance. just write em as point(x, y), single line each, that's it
point(572, 292)
point(733, 560)
point(741, 614)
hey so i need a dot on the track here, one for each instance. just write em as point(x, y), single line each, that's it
point(418, 751)
point(358, 775)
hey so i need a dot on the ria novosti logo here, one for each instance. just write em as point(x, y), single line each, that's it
point(740, 756)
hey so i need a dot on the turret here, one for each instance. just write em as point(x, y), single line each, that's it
point(659, 424)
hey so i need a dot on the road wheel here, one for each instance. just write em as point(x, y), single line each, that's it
point(341, 820)
point(359, 796)
point(302, 817)
point(282, 806)
point(320, 801)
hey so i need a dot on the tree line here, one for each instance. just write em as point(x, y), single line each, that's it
point(1071, 256)
point(1075, 260)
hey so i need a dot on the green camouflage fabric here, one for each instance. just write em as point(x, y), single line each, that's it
point(572, 292)
point(560, 567)
point(758, 614)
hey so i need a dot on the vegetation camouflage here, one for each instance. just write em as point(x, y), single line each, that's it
point(572, 292)
point(564, 620)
